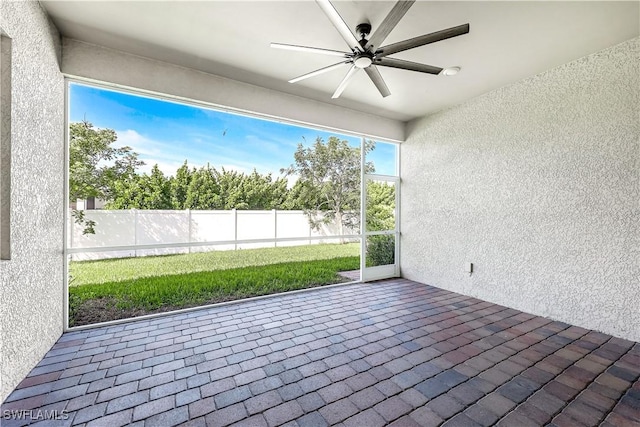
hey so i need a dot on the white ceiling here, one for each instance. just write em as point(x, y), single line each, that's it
point(508, 41)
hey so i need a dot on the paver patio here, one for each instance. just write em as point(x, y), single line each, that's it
point(392, 352)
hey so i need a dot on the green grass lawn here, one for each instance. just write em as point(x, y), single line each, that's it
point(119, 288)
point(124, 269)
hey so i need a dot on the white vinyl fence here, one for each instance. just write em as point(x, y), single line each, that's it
point(156, 227)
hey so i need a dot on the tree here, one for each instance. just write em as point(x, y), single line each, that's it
point(203, 191)
point(209, 188)
point(143, 192)
point(329, 181)
point(230, 189)
point(261, 192)
point(294, 198)
point(95, 165)
point(180, 186)
point(381, 204)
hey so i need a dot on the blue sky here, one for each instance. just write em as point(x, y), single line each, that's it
point(169, 133)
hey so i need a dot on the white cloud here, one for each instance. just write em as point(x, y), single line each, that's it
point(151, 152)
point(168, 168)
point(291, 180)
point(170, 155)
point(140, 144)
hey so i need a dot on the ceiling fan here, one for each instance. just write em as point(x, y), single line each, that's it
point(367, 54)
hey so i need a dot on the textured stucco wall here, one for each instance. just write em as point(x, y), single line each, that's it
point(537, 184)
point(31, 307)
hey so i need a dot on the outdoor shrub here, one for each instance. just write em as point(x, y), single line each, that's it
point(381, 250)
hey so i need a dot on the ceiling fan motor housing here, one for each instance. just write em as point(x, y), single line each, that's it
point(363, 60)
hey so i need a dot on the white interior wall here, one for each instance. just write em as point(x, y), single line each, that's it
point(95, 63)
point(537, 184)
point(31, 304)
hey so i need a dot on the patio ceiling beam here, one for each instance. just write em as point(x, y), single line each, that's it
point(98, 64)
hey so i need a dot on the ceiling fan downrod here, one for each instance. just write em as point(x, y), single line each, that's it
point(363, 59)
point(363, 29)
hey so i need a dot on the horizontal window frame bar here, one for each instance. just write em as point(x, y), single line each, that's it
point(376, 177)
point(207, 243)
point(380, 233)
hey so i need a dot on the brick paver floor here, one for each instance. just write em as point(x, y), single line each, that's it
point(393, 352)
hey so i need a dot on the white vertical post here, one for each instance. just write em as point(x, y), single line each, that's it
point(235, 228)
point(189, 225)
point(67, 213)
point(363, 211)
point(397, 212)
point(71, 229)
point(275, 227)
point(135, 231)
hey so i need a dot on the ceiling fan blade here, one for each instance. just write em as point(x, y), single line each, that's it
point(340, 25)
point(407, 65)
point(389, 22)
point(343, 84)
point(376, 78)
point(309, 49)
point(316, 72)
point(422, 40)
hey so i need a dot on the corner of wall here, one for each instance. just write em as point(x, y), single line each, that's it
point(31, 307)
point(536, 183)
